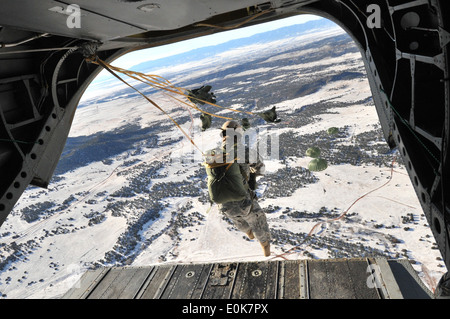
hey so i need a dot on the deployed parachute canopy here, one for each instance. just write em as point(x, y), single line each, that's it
point(332, 130)
point(317, 165)
point(313, 152)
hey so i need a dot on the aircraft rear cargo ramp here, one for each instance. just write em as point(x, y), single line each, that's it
point(359, 278)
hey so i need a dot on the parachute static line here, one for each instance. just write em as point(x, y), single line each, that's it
point(154, 81)
point(158, 82)
point(107, 67)
point(166, 85)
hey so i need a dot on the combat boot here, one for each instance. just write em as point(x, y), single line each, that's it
point(266, 248)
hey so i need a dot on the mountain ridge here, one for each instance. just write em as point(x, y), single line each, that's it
point(268, 36)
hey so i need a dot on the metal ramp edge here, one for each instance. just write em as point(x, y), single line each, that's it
point(356, 278)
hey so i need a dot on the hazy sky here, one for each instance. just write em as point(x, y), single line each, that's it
point(135, 58)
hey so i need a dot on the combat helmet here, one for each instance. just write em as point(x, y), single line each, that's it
point(236, 128)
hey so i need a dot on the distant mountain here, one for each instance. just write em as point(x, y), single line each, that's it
point(208, 51)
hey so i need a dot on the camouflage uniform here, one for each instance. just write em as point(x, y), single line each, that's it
point(246, 214)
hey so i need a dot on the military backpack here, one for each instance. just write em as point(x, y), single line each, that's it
point(225, 180)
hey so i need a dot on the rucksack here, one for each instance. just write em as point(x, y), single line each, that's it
point(225, 180)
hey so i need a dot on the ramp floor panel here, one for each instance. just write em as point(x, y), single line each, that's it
point(359, 278)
